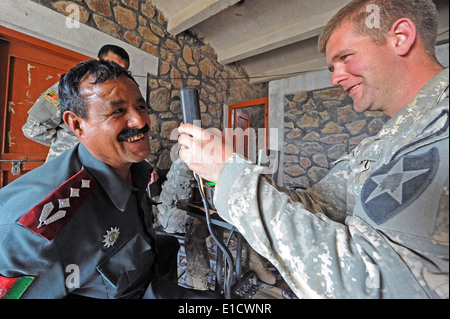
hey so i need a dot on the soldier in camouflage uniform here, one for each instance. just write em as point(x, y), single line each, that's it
point(176, 187)
point(376, 226)
point(45, 125)
point(175, 220)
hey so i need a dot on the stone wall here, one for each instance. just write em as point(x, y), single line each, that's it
point(321, 126)
point(184, 60)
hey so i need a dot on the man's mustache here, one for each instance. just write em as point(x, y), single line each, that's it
point(127, 133)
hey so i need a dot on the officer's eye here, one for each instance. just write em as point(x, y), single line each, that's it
point(142, 108)
point(118, 111)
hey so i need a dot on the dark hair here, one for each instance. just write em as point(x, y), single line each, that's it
point(100, 71)
point(104, 50)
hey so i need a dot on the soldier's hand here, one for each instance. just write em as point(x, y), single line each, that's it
point(154, 177)
point(204, 150)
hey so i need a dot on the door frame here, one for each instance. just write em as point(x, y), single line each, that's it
point(256, 102)
point(18, 40)
point(24, 39)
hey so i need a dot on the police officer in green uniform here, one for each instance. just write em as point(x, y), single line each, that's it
point(377, 225)
point(80, 225)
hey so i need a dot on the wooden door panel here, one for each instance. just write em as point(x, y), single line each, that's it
point(263, 102)
point(37, 78)
point(242, 121)
point(25, 73)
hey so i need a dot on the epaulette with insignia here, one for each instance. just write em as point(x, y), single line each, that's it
point(50, 216)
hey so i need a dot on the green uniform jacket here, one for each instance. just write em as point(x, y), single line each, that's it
point(74, 226)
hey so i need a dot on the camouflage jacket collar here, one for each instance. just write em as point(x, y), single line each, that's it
point(423, 120)
point(420, 114)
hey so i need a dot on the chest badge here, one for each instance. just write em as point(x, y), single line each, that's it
point(111, 237)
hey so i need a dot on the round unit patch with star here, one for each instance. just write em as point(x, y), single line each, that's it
point(111, 237)
point(394, 186)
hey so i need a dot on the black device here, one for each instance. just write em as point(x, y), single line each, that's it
point(190, 106)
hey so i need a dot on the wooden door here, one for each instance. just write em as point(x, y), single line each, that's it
point(242, 121)
point(238, 119)
point(27, 68)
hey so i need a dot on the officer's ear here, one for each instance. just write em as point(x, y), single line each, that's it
point(73, 121)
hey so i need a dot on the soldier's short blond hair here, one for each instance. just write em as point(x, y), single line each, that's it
point(422, 13)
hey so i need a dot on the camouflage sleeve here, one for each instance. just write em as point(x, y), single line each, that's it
point(176, 187)
point(44, 117)
point(38, 132)
point(329, 195)
point(318, 257)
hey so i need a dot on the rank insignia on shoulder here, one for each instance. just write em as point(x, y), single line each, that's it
point(50, 216)
point(52, 97)
point(13, 288)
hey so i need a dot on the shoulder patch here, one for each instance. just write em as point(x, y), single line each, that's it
point(13, 288)
point(52, 97)
point(50, 216)
point(394, 186)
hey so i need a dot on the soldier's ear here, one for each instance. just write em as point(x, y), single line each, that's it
point(73, 121)
point(403, 36)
